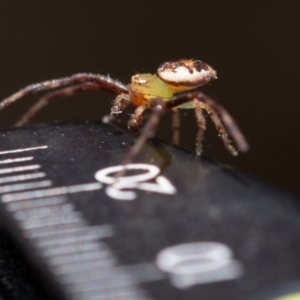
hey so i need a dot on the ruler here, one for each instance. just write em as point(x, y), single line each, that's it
point(174, 226)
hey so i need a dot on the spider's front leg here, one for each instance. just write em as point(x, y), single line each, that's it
point(119, 104)
point(136, 121)
point(148, 131)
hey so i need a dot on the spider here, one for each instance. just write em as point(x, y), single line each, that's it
point(169, 90)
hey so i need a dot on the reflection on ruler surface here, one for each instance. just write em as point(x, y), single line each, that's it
point(75, 251)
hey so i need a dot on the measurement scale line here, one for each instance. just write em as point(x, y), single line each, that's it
point(110, 282)
point(101, 231)
point(101, 265)
point(130, 294)
point(42, 212)
point(51, 192)
point(22, 177)
point(36, 233)
point(19, 169)
point(75, 217)
point(99, 270)
point(52, 252)
point(14, 160)
point(78, 264)
point(68, 239)
point(76, 257)
point(31, 204)
point(24, 149)
point(143, 272)
point(25, 186)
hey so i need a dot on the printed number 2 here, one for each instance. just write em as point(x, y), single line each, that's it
point(116, 187)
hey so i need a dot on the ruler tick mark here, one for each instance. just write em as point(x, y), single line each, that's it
point(24, 149)
point(51, 192)
point(25, 186)
point(14, 160)
point(19, 169)
point(22, 177)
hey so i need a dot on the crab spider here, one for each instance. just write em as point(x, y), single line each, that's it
point(170, 90)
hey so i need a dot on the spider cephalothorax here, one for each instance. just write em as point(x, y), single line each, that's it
point(169, 90)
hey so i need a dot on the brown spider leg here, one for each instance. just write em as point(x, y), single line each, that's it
point(201, 126)
point(118, 106)
point(175, 126)
point(103, 83)
point(221, 129)
point(135, 123)
point(58, 94)
point(219, 115)
point(147, 132)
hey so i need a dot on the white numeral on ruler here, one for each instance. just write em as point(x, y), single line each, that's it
point(117, 186)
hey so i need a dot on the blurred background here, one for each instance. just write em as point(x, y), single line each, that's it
point(254, 46)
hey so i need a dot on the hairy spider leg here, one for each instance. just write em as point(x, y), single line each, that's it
point(220, 117)
point(103, 82)
point(55, 95)
point(119, 104)
point(201, 122)
point(136, 121)
point(175, 126)
point(148, 130)
point(221, 129)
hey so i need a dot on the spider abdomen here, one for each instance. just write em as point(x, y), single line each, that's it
point(186, 74)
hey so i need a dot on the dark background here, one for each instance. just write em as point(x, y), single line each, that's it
point(254, 46)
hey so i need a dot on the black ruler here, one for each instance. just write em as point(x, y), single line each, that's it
point(175, 226)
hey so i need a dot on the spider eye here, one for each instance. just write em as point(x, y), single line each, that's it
point(184, 75)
